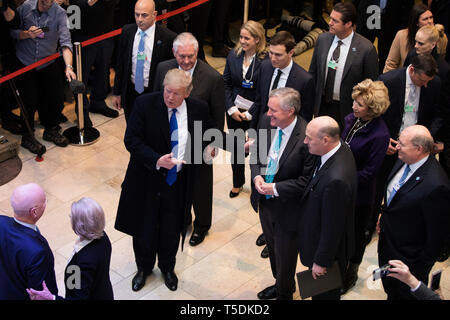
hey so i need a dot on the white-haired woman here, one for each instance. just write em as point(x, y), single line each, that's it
point(86, 276)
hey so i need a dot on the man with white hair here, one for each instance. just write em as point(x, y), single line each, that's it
point(26, 259)
point(156, 197)
point(208, 86)
point(415, 220)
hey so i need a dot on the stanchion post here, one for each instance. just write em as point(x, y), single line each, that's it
point(246, 5)
point(79, 95)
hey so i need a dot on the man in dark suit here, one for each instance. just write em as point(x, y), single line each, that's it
point(279, 176)
point(142, 46)
point(327, 207)
point(208, 86)
point(415, 222)
point(26, 259)
point(156, 196)
point(341, 59)
point(281, 71)
point(414, 93)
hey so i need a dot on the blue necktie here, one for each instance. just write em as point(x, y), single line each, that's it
point(139, 76)
point(272, 167)
point(401, 182)
point(173, 126)
point(383, 4)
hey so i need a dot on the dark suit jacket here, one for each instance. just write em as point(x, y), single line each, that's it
point(207, 86)
point(430, 111)
point(361, 64)
point(416, 223)
point(298, 79)
point(295, 166)
point(147, 138)
point(232, 76)
point(26, 261)
point(368, 145)
point(326, 229)
point(162, 50)
point(93, 261)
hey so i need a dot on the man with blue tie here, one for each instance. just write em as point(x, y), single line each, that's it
point(415, 221)
point(156, 196)
point(26, 259)
point(279, 171)
point(142, 46)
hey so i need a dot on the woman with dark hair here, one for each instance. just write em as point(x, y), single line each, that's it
point(368, 137)
point(404, 40)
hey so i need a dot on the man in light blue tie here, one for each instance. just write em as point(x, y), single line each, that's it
point(279, 171)
point(415, 222)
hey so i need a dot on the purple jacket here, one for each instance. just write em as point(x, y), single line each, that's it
point(369, 145)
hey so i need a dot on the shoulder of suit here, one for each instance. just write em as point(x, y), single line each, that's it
point(196, 103)
point(360, 40)
point(206, 68)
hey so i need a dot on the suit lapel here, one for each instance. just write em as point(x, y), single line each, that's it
point(157, 46)
point(164, 120)
point(323, 58)
point(353, 51)
point(293, 140)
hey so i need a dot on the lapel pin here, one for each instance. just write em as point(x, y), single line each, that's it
point(354, 49)
point(417, 178)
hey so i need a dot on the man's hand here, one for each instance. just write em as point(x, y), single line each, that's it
point(258, 181)
point(167, 161)
point(210, 153)
point(238, 116)
point(267, 189)
point(45, 294)
point(70, 75)
point(391, 147)
point(248, 144)
point(117, 102)
point(318, 271)
point(31, 33)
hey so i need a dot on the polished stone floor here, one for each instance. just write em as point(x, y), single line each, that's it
point(227, 265)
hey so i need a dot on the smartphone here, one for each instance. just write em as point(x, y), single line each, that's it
point(44, 29)
point(381, 272)
point(435, 280)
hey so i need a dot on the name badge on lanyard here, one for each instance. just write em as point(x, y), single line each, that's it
point(247, 84)
point(141, 55)
point(409, 108)
point(332, 64)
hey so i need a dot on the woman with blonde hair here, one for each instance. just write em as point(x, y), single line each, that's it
point(368, 137)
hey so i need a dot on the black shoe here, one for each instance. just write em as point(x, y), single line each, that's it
point(221, 52)
point(235, 194)
point(196, 238)
point(171, 280)
point(268, 293)
point(350, 278)
point(54, 136)
point(33, 145)
point(138, 281)
point(265, 252)
point(103, 109)
point(261, 240)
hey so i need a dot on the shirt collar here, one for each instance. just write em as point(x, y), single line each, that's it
point(80, 244)
point(408, 78)
point(329, 154)
point(418, 164)
point(28, 225)
point(347, 41)
point(191, 71)
point(180, 109)
point(288, 130)
point(287, 70)
point(148, 32)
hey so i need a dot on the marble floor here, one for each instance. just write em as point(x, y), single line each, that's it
point(227, 265)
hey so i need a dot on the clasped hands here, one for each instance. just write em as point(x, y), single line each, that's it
point(168, 161)
point(263, 187)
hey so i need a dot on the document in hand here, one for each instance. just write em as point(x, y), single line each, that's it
point(309, 287)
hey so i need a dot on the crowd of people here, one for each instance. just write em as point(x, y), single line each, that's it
point(336, 152)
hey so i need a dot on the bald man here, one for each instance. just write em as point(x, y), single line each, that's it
point(415, 220)
point(26, 259)
point(133, 78)
point(326, 225)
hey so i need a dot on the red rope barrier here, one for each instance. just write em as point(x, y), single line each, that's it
point(97, 39)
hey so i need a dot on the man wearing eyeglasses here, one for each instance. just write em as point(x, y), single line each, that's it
point(26, 259)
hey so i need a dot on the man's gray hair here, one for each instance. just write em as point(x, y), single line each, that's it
point(424, 141)
point(185, 38)
point(87, 218)
point(289, 98)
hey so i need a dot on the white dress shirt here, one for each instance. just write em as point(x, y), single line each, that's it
point(328, 155)
point(394, 181)
point(411, 106)
point(345, 47)
point(149, 40)
point(283, 78)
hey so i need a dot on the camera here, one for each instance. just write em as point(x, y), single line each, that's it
point(381, 272)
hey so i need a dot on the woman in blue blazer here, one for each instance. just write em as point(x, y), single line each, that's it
point(240, 76)
point(86, 276)
point(368, 137)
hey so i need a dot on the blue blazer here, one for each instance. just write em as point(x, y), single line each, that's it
point(232, 77)
point(25, 261)
point(298, 79)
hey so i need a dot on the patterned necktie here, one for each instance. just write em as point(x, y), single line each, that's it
point(329, 84)
point(277, 79)
point(319, 163)
point(139, 76)
point(173, 126)
point(400, 183)
point(273, 161)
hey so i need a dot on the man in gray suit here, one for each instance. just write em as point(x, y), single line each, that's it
point(279, 175)
point(208, 86)
point(342, 58)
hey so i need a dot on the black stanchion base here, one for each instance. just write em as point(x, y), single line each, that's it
point(76, 137)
